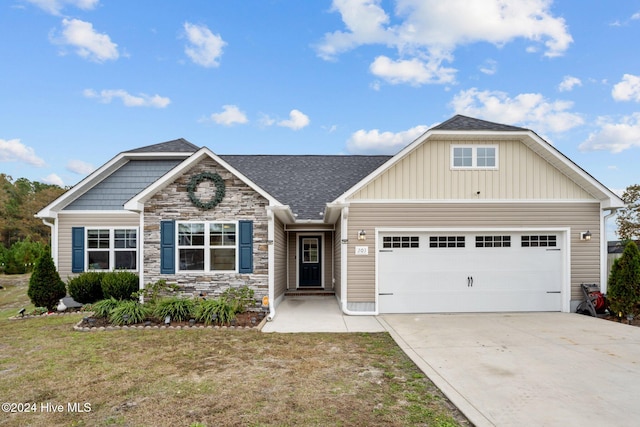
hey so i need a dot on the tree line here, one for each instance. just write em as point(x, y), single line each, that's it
point(23, 237)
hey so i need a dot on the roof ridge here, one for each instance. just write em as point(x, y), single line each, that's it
point(461, 122)
point(179, 145)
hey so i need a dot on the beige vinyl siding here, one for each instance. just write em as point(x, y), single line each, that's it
point(67, 221)
point(337, 254)
point(581, 216)
point(280, 259)
point(426, 173)
point(328, 260)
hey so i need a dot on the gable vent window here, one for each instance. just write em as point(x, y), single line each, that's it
point(401, 242)
point(474, 157)
point(446, 242)
point(538, 241)
point(493, 241)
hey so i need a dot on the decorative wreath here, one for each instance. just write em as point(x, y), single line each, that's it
point(193, 186)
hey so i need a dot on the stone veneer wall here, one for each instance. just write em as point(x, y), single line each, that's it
point(240, 203)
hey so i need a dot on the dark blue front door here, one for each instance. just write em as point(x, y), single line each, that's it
point(310, 261)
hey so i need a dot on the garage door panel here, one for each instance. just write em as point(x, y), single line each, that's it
point(471, 278)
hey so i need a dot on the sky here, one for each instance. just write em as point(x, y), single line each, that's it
point(83, 80)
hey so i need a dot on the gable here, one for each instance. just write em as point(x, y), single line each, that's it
point(425, 173)
point(114, 191)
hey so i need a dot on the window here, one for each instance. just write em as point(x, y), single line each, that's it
point(207, 246)
point(493, 241)
point(446, 242)
point(474, 157)
point(400, 242)
point(538, 241)
point(112, 249)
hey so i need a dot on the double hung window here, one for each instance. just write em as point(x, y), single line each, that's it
point(207, 246)
point(112, 248)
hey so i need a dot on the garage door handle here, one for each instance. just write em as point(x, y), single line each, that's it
point(553, 249)
point(469, 281)
point(385, 250)
point(554, 292)
point(386, 293)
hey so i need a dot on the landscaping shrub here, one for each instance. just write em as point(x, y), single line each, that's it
point(45, 286)
point(178, 309)
point(239, 298)
point(220, 307)
point(153, 291)
point(624, 282)
point(104, 307)
point(127, 312)
point(120, 285)
point(86, 288)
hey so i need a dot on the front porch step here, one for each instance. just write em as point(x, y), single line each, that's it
point(309, 292)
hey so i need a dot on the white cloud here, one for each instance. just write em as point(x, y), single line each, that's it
point(230, 116)
point(53, 179)
point(429, 31)
point(13, 150)
point(140, 100)
point(568, 83)
point(530, 110)
point(55, 7)
point(204, 48)
point(374, 141)
point(88, 43)
point(412, 71)
point(297, 120)
point(80, 167)
point(628, 89)
point(614, 137)
point(489, 67)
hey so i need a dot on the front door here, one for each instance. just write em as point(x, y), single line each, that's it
point(310, 261)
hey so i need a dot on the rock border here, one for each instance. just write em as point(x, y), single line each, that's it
point(80, 328)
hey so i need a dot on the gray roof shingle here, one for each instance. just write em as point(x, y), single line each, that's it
point(460, 122)
point(179, 145)
point(305, 183)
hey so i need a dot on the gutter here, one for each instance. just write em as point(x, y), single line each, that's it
point(604, 249)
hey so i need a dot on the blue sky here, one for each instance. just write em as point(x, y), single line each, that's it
point(83, 80)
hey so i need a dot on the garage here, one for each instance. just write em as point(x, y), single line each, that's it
point(471, 271)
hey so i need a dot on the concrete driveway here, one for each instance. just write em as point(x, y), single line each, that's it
point(528, 369)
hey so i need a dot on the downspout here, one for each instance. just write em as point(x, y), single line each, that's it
point(344, 255)
point(54, 240)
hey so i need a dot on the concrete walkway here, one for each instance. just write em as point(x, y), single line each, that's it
point(318, 314)
point(528, 369)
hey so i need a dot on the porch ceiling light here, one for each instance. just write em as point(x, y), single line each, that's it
point(585, 235)
point(362, 235)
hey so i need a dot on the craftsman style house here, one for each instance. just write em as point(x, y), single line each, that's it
point(472, 216)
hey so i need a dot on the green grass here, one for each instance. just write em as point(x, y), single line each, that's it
point(208, 377)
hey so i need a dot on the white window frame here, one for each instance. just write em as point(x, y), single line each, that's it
point(474, 157)
point(207, 247)
point(111, 249)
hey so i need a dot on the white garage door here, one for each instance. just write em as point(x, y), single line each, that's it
point(470, 272)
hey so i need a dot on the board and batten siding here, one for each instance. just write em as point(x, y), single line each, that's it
point(280, 259)
point(579, 216)
point(426, 174)
point(98, 220)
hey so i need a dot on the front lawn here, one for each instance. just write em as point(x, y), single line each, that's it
point(205, 377)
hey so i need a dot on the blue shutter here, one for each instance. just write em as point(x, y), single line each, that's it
point(77, 249)
point(167, 247)
point(246, 247)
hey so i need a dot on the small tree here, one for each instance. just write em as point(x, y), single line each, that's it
point(45, 286)
point(624, 282)
point(628, 218)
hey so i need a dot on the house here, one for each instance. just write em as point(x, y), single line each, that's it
point(472, 216)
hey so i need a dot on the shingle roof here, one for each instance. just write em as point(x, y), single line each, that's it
point(305, 183)
point(460, 122)
point(175, 146)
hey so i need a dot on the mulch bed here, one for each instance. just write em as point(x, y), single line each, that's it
point(246, 320)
